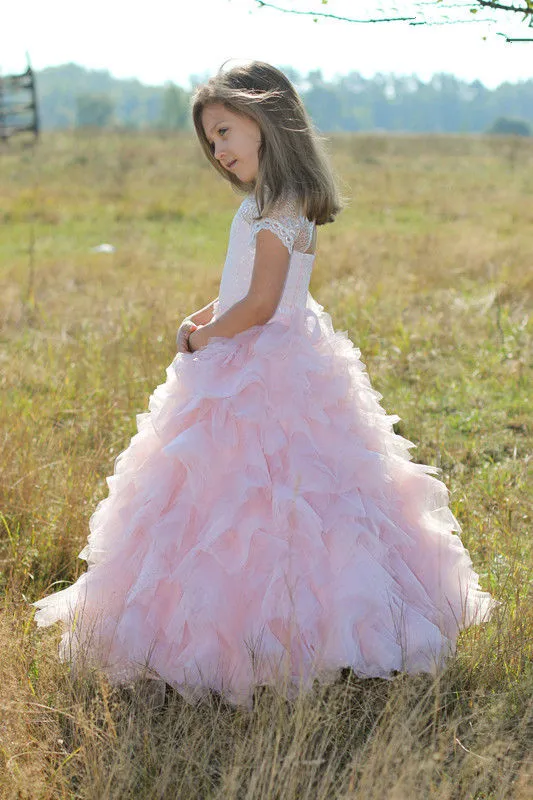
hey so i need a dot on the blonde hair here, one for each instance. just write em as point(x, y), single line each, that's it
point(292, 159)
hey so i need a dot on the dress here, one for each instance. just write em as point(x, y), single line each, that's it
point(266, 521)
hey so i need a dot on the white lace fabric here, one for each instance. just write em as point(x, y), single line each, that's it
point(284, 220)
point(296, 233)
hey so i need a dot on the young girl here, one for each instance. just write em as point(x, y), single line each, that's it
point(266, 522)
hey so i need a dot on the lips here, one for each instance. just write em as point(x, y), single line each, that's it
point(231, 164)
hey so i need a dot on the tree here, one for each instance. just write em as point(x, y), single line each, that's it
point(175, 110)
point(94, 110)
point(505, 126)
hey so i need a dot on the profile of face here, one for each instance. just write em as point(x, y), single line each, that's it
point(235, 140)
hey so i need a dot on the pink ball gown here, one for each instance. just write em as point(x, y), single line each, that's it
point(266, 522)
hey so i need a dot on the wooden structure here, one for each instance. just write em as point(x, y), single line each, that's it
point(18, 104)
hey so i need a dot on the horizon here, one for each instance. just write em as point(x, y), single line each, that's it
point(303, 74)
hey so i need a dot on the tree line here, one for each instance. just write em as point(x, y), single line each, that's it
point(71, 96)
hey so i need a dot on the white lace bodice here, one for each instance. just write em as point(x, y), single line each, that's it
point(296, 233)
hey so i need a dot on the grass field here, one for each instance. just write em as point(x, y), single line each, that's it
point(430, 270)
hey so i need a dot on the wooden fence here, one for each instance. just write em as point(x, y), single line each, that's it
point(18, 105)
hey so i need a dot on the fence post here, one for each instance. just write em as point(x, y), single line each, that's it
point(11, 106)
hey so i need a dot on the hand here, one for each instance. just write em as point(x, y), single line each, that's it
point(185, 329)
point(193, 343)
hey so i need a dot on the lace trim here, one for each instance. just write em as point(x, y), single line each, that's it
point(286, 229)
point(291, 227)
point(307, 231)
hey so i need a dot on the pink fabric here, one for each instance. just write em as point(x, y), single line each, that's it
point(265, 522)
point(266, 501)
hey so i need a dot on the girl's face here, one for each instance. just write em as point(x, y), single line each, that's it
point(234, 140)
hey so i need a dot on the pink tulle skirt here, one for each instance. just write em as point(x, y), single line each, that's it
point(267, 525)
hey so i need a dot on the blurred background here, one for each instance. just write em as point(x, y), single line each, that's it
point(440, 67)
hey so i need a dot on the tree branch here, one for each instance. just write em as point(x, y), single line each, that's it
point(527, 10)
point(262, 4)
point(496, 5)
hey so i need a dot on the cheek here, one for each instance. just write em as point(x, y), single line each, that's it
point(254, 147)
point(248, 144)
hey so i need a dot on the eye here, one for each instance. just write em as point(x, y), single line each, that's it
point(222, 131)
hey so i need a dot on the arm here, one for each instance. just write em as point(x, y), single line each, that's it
point(203, 315)
point(269, 274)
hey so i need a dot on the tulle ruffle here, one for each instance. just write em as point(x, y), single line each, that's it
point(266, 523)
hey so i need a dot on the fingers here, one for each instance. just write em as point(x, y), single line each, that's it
point(182, 336)
point(182, 344)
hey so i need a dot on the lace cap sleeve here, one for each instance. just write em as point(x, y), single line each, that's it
point(285, 221)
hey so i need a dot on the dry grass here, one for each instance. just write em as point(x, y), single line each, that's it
point(430, 270)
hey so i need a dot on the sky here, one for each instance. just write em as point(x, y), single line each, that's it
point(170, 40)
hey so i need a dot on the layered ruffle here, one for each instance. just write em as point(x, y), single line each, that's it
point(266, 522)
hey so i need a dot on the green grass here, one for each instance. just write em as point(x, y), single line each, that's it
point(429, 270)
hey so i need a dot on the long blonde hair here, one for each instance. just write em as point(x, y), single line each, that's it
point(292, 159)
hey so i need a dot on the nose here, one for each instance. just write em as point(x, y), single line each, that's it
point(219, 151)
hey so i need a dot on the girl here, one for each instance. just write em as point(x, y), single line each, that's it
point(266, 522)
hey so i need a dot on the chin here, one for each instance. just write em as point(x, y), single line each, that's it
point(247, 178)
